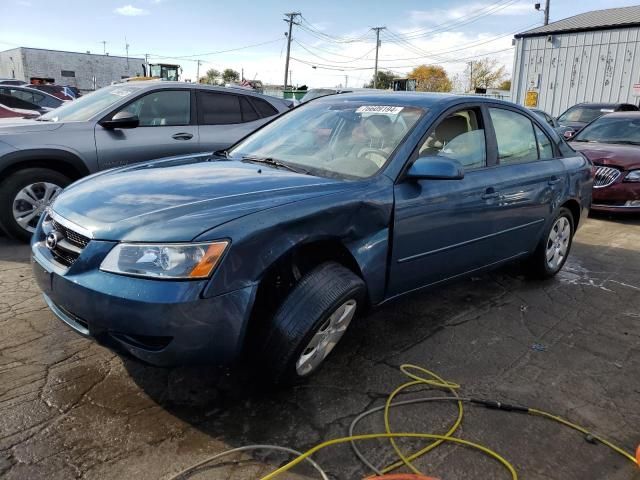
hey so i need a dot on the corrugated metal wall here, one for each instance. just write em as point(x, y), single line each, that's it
point(597, 66)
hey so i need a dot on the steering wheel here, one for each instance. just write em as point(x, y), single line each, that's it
point(379, 156)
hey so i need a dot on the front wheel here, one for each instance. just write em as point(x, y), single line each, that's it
point(554, 248)
point(23, 197)
point(311, 321)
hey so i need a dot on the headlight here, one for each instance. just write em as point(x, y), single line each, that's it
point(633, 176)
point(170, 261)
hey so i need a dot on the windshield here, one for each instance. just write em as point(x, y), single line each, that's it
point(336, 139)
point(609, 129)
point(85, 107)
point(583, 114)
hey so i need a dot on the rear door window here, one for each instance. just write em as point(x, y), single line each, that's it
point(248, 112)
point(264, 108)
point(517, 142)
point(544, 144)
point(218, 108)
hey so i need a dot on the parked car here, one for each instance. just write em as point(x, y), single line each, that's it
point(17, 103)
point(612, 143)
point(273, 247)
point(41, 99)
point(63, 92)
point(10, 115)
point(115, 126)
point(546, 117)
point(576, 117)
point(11, 81)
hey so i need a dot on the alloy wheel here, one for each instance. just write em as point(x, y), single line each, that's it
point(326, 338)
point(558, 243)
point(31, 201)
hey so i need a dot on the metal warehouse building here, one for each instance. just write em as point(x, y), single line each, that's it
point(85, 71)
point(591, 57)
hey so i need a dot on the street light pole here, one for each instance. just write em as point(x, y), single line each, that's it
point(375, 70)
point(290, 20)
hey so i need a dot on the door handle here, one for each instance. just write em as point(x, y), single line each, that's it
point(554, 181)
point(490, 194)
point(182, 136)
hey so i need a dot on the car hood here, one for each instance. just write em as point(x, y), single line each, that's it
point(622, 156)
point(18, 126)
point(179, 199)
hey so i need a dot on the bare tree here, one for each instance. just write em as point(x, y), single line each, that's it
point(486, 73)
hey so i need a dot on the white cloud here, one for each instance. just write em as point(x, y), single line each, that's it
point(131, 11)
point(469, 12)
point(24, 3)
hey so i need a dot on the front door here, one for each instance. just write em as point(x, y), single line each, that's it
point(166, 128)
point(443, 228)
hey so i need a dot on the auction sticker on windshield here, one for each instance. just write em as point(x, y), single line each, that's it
point(379, 109)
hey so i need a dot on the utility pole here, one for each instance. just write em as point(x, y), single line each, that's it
point(471, 76)
point(546, 12)
point(291, 78)
point(104, 47)
point(146, 65)
point(198, 71)
point(346, 80)
point(375, 70)
point(126, 47)
point(291, 21)
point(242, 74)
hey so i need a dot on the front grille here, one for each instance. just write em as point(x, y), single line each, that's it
point(605, 176)
point(74, 237)
point(69, 244)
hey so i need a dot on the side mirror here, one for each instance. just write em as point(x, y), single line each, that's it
point(436, 168)
point(122, 119)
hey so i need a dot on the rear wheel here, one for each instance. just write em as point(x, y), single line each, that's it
point(24, 195)
point(554, 248)
point(311, 321)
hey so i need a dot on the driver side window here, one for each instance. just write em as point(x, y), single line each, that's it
point(163, 108)
point(459, 136)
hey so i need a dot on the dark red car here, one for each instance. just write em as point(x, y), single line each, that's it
point(612, 143)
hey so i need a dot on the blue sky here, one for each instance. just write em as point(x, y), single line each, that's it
point(420, 32)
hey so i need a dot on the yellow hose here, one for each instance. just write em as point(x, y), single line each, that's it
point(435, 381)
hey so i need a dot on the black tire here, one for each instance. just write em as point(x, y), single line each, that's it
point(537, 266)
point(305, 310)
point(10, 187)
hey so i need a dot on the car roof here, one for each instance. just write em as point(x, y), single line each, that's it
point(27, 88)
point(158, 84)
point(632, 114)
point(601, 105)
point(416, 99)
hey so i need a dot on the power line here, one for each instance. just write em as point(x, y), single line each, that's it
point(351, 59)
point(186, 57)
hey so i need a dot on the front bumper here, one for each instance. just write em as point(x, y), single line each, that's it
point(618, 197)
point(164, 323)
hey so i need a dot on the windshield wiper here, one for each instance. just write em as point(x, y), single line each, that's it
point(274, 163)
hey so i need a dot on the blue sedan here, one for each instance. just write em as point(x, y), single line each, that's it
point(344, 203)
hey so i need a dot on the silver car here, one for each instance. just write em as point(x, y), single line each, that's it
point(115, 126)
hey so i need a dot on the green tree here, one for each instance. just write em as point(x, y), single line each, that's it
point(431, 78)
point(505, 85)
point(385, 80)
point(230, 75)
point(486, 73)
point(212, 76)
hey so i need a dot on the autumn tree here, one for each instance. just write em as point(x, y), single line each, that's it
point(385, 80)
point(431, 78)
point(230, 75)
point(486, 73)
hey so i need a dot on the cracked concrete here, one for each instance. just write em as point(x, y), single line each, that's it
point(69, 408)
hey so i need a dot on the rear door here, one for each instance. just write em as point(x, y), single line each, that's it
point(528, 181)
point(167, 127)
point(224, 118)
